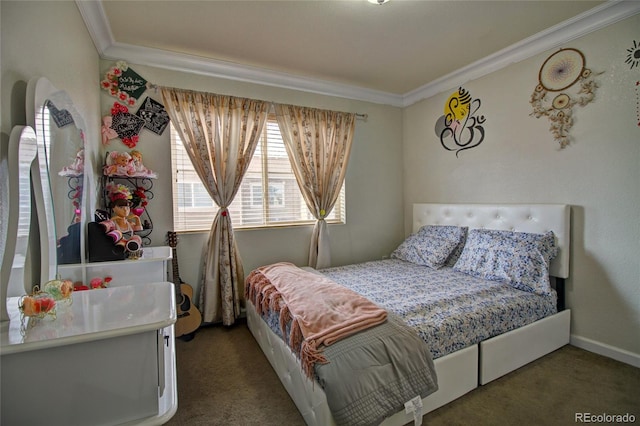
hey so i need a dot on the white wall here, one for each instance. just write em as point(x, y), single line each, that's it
point(373, 181)
point(519, 161)
point(46, 39)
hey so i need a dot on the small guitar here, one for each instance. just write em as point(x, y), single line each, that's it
point(189, 317)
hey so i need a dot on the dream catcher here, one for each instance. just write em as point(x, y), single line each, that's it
point(563, 82)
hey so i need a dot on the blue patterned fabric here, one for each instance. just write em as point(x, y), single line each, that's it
point(449, 310)
point(520, 259)
point(431, 246)
point(455, 254)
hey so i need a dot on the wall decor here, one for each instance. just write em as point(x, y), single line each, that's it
point(638, 102)
point(123, 83)
point(461, 127)
point(154, 115)
point(61, 117)
point(633, 57)
point(107, 132)
point(126, 125)
point(564, 81)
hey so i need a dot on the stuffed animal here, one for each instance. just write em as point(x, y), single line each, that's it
point(139, 169)
point(76, 168)
point(119, 164)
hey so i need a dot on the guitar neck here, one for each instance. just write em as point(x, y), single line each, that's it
point(176, 274)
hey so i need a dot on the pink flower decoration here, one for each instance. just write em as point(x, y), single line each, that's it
point(131, 142)
point(117, 108)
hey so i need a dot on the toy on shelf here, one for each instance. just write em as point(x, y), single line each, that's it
point(122, 225)
point(139, 168)
point(119, 163)
point(76, 168)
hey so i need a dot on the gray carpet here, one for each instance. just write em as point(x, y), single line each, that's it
point(224, 379)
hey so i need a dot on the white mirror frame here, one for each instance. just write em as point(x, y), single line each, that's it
point(16, 213)
point(39, 91)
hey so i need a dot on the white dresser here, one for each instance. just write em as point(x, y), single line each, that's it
point(151, 267)
point(106, 359)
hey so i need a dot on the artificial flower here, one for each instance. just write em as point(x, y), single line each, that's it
point(139, 198)
point(118, 191)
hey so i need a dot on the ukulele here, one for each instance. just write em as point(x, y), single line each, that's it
point(189, 317)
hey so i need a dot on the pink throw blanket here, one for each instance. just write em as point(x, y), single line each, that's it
point(321, 311)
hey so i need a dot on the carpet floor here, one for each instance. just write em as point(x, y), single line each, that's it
point(224, 379)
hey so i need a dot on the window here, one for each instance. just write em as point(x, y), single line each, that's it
point(268, 196)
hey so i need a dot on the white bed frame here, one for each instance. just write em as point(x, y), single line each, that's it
point(461, 371)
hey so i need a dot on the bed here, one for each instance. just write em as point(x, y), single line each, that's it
point(461, 370)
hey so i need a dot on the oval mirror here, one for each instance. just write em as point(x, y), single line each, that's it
point(60, 133)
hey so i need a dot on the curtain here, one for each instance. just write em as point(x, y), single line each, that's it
point(220, 134)
point(318, 143)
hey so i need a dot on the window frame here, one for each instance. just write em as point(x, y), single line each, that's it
point(267, 178)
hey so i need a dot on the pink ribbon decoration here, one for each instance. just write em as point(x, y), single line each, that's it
point(107, 132)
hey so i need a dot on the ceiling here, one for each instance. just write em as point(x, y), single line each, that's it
point(390, 49)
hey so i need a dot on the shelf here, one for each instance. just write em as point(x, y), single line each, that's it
point(133, 183)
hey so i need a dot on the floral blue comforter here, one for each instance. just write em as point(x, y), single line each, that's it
point(449, 310)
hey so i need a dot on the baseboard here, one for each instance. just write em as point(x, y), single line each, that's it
point(603, 349)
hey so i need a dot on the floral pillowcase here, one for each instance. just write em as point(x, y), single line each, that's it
point(431, 246)
point(519, 258)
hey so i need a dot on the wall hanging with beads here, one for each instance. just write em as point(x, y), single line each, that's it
point(633, 60)
point(564, 81)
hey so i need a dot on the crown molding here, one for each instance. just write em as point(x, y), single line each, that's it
point(96, 21)
point(571, 29)
point(231, 71)
point(98, 26)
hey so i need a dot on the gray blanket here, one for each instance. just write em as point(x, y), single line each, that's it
point(371, 374)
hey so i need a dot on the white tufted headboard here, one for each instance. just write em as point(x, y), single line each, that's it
point(538, 218)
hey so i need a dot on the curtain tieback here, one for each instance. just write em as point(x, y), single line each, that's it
point(323, 213)
point(224, 211)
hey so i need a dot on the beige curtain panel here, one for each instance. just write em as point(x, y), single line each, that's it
point(220, 134)
point(318, 143)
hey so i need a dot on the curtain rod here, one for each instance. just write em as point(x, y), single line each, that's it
point(359, 115)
